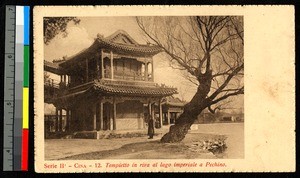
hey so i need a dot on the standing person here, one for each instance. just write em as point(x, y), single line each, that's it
point(150, 127)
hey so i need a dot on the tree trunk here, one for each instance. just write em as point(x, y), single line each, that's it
point(179, 130)
point(191, 111)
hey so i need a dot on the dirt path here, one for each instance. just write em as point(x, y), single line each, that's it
point(146, 150)
point(142, 148)
point(60, 148)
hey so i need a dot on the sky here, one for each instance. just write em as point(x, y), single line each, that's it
point(81, 36)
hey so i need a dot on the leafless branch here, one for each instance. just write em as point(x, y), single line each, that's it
point(237, 92)
point(230, 76)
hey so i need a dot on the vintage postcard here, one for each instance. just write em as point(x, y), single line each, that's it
point(164, 88)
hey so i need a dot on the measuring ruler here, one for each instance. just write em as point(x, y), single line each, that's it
point(15, 132)
point(9, 88)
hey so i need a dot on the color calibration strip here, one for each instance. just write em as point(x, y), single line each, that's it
point(16, 110)
point(25, 123)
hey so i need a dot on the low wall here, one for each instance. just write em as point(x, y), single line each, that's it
point(129, 123)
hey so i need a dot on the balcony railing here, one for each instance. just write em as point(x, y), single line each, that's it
point(126, 75)
point(52, 83)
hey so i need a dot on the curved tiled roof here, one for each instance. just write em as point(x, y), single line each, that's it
point(52, 67)
point(129, 48)
point(136, 90)
point(51, 64)
point(112, 42)
point(117, 88)
point(173, 101)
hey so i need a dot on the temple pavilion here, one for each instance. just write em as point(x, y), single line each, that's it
point(108, 86)
point(172, 108)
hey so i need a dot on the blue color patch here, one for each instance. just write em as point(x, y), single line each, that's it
point(26, 24)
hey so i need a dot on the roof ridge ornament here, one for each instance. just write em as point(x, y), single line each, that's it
point(99, 35)
point(59, 60)
point(124, 33)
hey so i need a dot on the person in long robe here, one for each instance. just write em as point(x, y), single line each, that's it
point(150, 127)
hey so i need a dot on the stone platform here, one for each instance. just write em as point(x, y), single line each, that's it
point(107, 134)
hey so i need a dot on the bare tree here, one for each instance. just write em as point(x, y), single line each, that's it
point(209, 49)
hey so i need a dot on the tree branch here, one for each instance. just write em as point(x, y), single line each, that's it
point(238, 92)
point(172, 55)
point(230, 76)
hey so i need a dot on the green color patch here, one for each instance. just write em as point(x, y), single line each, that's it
point(26, 66)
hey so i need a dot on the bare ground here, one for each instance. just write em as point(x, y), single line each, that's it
point(143, 148)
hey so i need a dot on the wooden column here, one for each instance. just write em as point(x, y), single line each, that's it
point(65, 79)
point(98, 65)
point(111, 117)
point(86, 70)
point(152, 71)
point(175, 117)
point(102, 64)
point(60, 120)
point(149, 108)
point(70, 120)
point(67, 120)
point(146, 71)
point(101, 115)
point(160, 114)
point(73, 124)
point(114, 115)
point(168, 117)
point(94, 118)
point(68, 78)
point(112, 65)
point(56, 120)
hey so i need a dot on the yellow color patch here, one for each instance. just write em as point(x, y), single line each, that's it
point(25, 108)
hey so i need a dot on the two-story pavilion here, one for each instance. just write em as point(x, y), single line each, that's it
point(108, 85)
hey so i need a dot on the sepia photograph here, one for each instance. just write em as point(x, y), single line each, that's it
point(127, 87)
point(122, 89)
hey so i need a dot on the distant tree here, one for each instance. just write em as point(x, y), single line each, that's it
point(56, 25)
point(209, 50)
